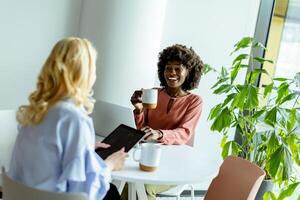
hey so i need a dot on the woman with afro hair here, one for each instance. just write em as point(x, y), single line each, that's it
point(174, 120)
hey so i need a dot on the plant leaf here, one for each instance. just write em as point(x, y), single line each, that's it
point(252, 76)
point(239, 58)
point(268, 89)
point(252, 98)
point(282, 91)
point(259, 45)
point(273, 144)
point(261, 71)
point(280, 79)
point(269, 195)
point(235, 71)
point(208, 68)
point(229, 98)
point(294, 143)
point(243, 43)
point(225, 150)
point(224, 72)
point(262, 60)
point(230, 148)
point(223, 89)
point(258, 113)
point(274, 162)
point(223, 141)
point(222, 121)
point(292, 120)
point(221, 80)
point(235, 149)
point(239, 99)
point(288, 191)
point(286, 164)
point(289, 97)
point(271, 117)
point(215, 111)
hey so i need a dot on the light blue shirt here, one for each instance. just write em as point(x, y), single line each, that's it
point(58, 154)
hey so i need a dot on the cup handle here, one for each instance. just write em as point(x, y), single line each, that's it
point(135, 155)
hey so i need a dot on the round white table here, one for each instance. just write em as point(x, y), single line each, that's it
point(179, 164)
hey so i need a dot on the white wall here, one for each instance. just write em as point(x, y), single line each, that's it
point(130, 35)
point(28, 31)
point(211, 28)
point(127, 35)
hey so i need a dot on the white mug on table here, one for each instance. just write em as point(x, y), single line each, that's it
point(149, 157)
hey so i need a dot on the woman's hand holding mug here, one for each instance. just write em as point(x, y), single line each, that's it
point(136, 101)
point(144, 98)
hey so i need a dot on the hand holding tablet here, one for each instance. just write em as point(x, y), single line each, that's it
point(122, 136)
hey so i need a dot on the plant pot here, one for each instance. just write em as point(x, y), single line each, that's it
point(267, 185)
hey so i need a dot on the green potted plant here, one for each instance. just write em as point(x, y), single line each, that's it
point(243, 111)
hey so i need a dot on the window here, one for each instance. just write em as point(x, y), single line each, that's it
point(283, 41)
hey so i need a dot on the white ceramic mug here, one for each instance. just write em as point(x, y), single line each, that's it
point(149, 98)
point(149, 156)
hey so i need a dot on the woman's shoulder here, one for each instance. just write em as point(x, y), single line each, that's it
point(65, 115)
point(69, 111)
point(194, 98)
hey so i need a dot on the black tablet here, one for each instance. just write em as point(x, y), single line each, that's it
point(122, 136)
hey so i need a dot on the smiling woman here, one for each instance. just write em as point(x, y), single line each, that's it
point(178, 111)
point(175, 73)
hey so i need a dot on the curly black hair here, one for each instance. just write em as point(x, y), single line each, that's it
point(187, 57)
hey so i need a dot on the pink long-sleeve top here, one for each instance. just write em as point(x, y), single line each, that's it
point(178, 125)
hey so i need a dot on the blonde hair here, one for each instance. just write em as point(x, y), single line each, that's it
point(69, 72)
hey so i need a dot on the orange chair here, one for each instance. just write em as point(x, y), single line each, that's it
point(238, 179)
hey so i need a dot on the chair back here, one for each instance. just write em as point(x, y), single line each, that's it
point(8, 134)
point(237, 179)
point(108, 116)
point(13, 190)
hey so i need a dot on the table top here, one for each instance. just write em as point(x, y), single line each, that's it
point(179, 164)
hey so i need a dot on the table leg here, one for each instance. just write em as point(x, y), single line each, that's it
point(119, 184)
point(131, 191)
point(140, 189)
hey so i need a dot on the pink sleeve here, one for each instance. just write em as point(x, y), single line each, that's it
point(186, 129)
point(139, 120)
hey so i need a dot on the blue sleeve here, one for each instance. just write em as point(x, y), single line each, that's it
point(81, 169)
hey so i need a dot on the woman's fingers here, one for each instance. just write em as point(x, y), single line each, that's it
point(146, 128)
point(101, 145)
point(120, 159)
point(149, 137)
point(136, 97)
point(151, 134)
point(138, 92)
point(116, 160)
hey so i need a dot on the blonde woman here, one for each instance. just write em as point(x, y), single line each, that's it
point(55, 146)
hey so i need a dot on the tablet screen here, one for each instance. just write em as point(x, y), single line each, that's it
point(122, 136)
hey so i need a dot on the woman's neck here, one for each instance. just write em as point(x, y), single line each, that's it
point(176, 92)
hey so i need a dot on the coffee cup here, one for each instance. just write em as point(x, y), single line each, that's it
point(149, 98)
point(148, 156)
